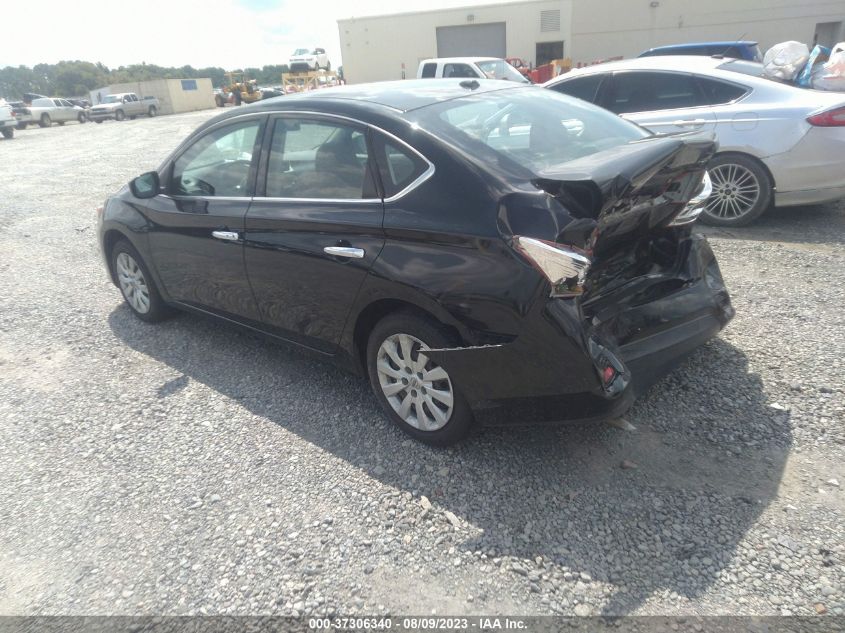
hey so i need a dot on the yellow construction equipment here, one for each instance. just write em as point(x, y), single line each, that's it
point(239, 90)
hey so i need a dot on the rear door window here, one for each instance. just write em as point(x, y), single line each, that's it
point(318, 159)
point(650, 91)
point(586, 88)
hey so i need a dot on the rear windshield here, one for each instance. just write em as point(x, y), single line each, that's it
point(744, 67)
point(530, 128)
point(500, 69)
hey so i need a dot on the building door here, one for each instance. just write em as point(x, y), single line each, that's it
point(472, 40)
point(828, 33)
point(547, 51)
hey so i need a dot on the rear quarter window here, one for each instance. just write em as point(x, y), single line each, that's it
point(715, 92)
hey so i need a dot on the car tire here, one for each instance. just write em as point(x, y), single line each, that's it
point(742, 190)
point(404, 387)
point(98, 120)
point(136, 284)
point(119, 115)
point(219, 101)
point(132, 117)
point(21, 126)
point(8, 132)
point(81, 118)
point(61, 123)
point(45, 121)
point(328, 66)
point(152, 111)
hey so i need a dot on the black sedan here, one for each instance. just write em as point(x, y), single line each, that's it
point(477, 250)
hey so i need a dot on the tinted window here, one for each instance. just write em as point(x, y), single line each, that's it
point(525, 129)
point(398, 166)
point(57, 102)
point(217, 164)
point(458, 70)
point(715, 92)
point(645, 91)
point(429, 71)
point(585, 88)
point(317, 159)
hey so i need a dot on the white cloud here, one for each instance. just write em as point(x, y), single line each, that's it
point(225, 33)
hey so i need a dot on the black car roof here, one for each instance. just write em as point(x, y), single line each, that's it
point(401, 96)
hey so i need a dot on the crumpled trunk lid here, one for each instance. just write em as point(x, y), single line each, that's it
point(629, 192)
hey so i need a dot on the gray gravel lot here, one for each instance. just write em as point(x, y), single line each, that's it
point(190, 467)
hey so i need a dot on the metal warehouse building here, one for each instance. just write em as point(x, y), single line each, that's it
point(174, 95)
point(386, 46)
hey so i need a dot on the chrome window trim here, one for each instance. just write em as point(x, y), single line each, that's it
point(206, 198)
point(319, 200)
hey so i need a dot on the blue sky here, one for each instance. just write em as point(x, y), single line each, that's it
point(227, 33)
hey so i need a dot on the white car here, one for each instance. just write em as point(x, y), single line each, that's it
point(7, 120)
point(777, 143)
point(307, 59)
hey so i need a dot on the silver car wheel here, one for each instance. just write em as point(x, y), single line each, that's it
point(417, 389)
point(133, 285)
point(735, 191)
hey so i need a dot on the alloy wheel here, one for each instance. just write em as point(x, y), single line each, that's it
point(735, 191)
point(133, 285)
point(417, 389)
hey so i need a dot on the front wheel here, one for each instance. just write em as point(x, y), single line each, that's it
point(81, 118)
point(8, 132)
point(119, 115)
point(415, 392)
point(137, 286)
point(742, 191)
point(45, 121)
point(152, 111)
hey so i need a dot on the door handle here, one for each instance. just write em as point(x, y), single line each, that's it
point(225, 235)
point(344, 251)
point(690, 123)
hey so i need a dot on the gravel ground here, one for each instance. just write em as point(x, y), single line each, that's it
point(193, 468)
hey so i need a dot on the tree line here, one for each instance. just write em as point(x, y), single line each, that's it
point(77, 78)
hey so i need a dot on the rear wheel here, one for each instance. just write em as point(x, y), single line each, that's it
point(119, 115)
point(45, 120)
point(81, 118)
point(8, 132)
point(742, 191)
point(137, 286)
point(414, 391)
point(152, 111)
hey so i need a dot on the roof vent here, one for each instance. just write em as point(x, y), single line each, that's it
point(550, 21)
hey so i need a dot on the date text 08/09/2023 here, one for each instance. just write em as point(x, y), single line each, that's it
point(430, 623)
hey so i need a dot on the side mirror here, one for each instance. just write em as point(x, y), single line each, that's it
point(146, 185)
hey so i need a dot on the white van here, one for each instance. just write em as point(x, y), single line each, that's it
point(469, 67)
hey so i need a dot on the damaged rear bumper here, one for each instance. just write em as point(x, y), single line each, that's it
point(552, 371)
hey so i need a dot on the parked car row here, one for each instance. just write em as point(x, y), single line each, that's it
point(44, 111)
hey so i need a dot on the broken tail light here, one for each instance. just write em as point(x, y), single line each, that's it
point(564, 267)
point(696, 205)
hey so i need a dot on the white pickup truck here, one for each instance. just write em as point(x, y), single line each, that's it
point(469, 68)
point(44, 111)
point(7, 120)
point(122, 105)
